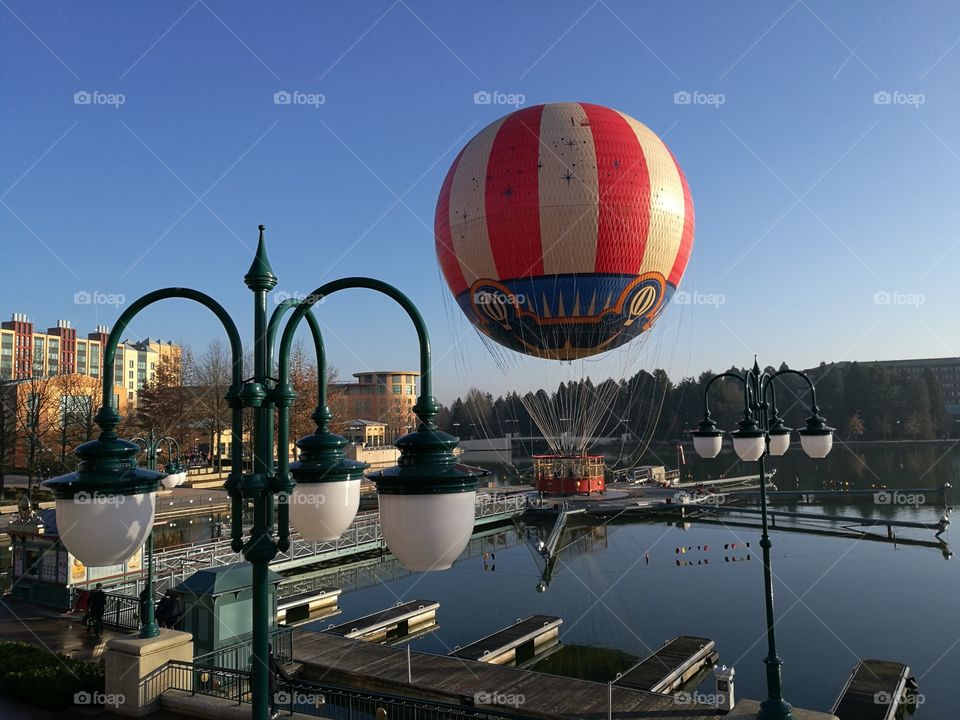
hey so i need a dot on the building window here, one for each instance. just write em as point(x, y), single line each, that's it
point(130, 374)
point(130, 386)
point(397, 389)
point(409, 389)
point(129, 396)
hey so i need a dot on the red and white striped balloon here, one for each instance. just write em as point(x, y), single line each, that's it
point(568, 211)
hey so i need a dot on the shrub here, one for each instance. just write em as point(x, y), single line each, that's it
point(36, 676)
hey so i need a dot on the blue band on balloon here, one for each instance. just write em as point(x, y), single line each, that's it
point(565, 317)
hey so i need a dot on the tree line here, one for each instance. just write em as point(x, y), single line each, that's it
point(863, 401)
point(43, 419)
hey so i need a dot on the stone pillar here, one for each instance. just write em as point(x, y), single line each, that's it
point(129, 660)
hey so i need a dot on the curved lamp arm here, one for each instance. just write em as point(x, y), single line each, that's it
point(284, 395)
point(706, 394)
point(274, 326)
point(107, 410)
point(108, 416)
point(814, 408)
point(426, 407)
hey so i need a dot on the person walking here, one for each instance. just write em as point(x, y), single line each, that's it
point(275, 673)
point(144, 607)
point(96, 605)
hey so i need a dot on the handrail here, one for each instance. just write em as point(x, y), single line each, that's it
point(171, 565)
point(305, 697)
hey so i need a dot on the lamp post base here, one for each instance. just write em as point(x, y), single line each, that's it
point(751, 710)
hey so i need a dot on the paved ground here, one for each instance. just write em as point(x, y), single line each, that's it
point(57, 632)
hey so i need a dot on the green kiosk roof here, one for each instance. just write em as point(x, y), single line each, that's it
point(223, 579)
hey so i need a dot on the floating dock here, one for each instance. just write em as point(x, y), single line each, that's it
point(516, 643)
point(671, 666)
point(940, 526)
point(310, 605)
point(401, 620)
point(337, 660)
point(874, 691)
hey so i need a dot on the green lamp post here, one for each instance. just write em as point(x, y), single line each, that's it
point(173, 476)
point(423, 501)
point(762, 432)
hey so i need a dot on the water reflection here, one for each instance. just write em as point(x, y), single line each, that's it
point(624, 587)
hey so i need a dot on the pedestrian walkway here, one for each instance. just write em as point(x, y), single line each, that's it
point(56, 632)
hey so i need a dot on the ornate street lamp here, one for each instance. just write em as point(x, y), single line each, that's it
point(427, 502)
point(762, 432)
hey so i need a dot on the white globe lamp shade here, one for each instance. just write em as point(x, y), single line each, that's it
point(748, 446)
point(707, 445)
point(105, 529)
point(779, 442)
point(324, 510)
point(105, 510)
point(169, 481)
point(427, 531)
point(816, 445)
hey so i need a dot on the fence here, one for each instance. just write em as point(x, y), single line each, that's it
point(237, 656)
point(318, 700)
point(122, 612)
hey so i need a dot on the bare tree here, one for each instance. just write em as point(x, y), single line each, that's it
point(75, 400)
point(210, 378)
point(303, 377)
point(164, 404)
point(8, 429)
point(36, 417)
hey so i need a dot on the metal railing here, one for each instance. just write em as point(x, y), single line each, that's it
point(308, 698)
point(173, 565)
point(215, 502)
point(237, 656)
point(122, 612)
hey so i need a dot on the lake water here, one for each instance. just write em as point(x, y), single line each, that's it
point(623, 589)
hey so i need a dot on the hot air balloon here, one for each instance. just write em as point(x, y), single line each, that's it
point(563, 229)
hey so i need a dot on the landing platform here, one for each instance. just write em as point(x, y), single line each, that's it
point(327, 658)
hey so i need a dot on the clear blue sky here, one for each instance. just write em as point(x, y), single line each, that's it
point(811, 198)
